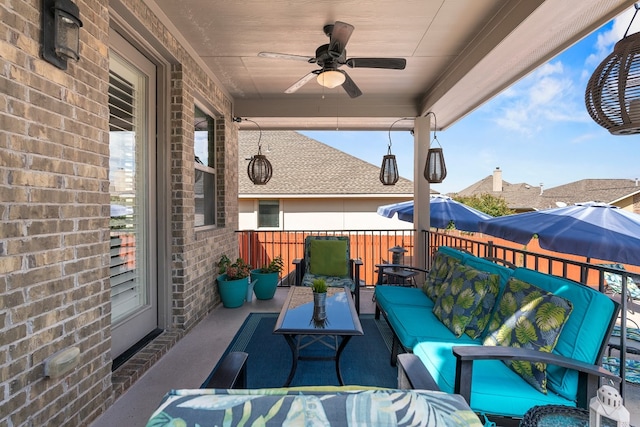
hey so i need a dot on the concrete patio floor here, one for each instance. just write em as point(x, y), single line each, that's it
point(191, 360)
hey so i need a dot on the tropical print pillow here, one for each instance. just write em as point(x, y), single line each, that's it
point(461, 294)
point(489, 288)
point(528, 317)
point(440, 269)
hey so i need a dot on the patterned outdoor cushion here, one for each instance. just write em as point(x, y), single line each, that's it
point(461, 294)
point(481, 316)
point(528, 317)
point(440, 269)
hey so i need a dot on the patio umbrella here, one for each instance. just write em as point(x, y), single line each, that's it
point(443, 210)
point(591, 229)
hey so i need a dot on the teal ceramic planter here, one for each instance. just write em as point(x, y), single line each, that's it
point(266, 284)
point(232, 292)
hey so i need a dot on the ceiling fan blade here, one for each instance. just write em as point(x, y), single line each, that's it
point(286, 56)
point(388, 63)
point(350, 87)
point(297, 85)
point(339, 37)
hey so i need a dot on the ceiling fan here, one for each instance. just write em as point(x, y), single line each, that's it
point(330, 57)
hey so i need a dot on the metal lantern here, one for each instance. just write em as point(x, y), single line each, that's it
point(389, 174)
point(259, 169)
point(612, 96)
point(606, 409)
point(60, 32)
point(435, 171)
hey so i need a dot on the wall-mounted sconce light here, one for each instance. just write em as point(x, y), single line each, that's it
point(259, 169)
point(60, 32)
point(389, 173)
point(435, 171)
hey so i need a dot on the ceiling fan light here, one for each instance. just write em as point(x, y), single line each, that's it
point(331, 78)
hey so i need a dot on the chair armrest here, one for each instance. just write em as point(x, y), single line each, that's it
point(299, 273)
point(588, 374)
point(412, 371)
point(231, 373)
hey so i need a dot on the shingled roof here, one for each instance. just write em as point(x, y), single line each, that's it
point(304, 166)
point(600, 190)
point(521, 196)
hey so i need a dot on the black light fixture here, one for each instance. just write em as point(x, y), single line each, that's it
point(60, 32)
point(435, 171)
point(389, 173)
point(259, 169)
point(612, 96)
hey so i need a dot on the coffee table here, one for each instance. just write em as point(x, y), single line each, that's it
point(297, 325)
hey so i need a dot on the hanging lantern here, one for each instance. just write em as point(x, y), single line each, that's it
point(259, 168)
point(435, 170)
point(389, 173)
point(612, 96)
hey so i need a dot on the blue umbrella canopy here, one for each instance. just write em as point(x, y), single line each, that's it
point(443, 210)
point(591, 229)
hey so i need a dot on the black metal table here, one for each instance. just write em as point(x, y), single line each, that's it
point(297, 325)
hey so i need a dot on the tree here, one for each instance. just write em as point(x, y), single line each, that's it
point(487, 203)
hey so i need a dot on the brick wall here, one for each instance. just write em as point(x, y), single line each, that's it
point(54, 211)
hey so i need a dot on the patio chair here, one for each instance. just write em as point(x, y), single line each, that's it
point(613, 283)
point(328, 258)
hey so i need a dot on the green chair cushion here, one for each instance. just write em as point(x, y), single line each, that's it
point(460, 296)
point(528, 317)
point(328, 258)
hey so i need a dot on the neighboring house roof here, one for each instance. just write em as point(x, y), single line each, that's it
point(521, 196)
point(304, 166)
point(585, 190)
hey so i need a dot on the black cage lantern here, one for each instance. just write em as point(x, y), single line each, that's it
point(60, 32)
point(612, 96)
point(259, 168)
point(435, 170)
point(389, 173)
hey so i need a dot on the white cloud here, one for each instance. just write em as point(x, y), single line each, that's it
point(607, 39)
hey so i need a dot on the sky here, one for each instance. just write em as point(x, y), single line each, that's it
point(537, 131)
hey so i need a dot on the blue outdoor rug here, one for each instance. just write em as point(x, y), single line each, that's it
point(364, 361)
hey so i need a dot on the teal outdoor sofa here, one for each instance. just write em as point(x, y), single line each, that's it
point(473, 364)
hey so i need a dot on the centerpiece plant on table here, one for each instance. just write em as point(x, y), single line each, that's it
point(266, 278)
point(233, 281)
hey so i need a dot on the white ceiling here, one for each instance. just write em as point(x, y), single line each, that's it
point(459, 53)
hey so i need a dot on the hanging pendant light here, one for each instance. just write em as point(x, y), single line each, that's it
point(435, 170)
point(259, 168)
point(389, 173)
point(612, 96)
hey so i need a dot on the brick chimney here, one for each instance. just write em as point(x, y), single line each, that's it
point(497, 180)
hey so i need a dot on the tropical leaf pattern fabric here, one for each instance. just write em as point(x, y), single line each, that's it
point(490, 288)
point(528, 317)
point(460, 296)
point(282, 407)
point(442, 266)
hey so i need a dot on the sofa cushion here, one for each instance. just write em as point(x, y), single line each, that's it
point(390, 296)
point(532, 318)
point(481, 316)
point(590, 307)
point(460, 295)
point(328, 258)
point(495, 389)
point(440, 269)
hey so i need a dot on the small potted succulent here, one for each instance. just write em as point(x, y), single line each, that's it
point(266, 278)
point(319, 287)
point(233, 281)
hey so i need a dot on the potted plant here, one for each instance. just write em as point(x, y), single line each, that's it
point(319, 287)
point(233, 281)
point(266, 278)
